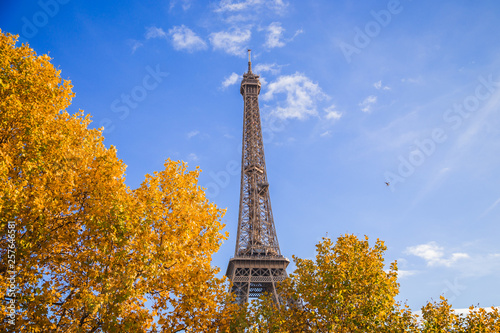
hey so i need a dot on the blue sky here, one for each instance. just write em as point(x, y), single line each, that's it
point(354, 94)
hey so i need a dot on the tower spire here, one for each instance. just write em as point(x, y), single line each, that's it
point(257, 263)
point(249, 61)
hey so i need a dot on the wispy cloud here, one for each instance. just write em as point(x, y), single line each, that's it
point(192, 133)
point(134, 44)
point(480, 265)
point(302, 96)
point(230, 80)
point(184, 38)
point(186, 4)
point(490, 208)
point(378, 85)
point(467, 264)
point(193, 157)
point(366, 105)
point(405, 273)
point(476, 124)
point(274, 35)
point(469, 136)
point(332, 113)
point(233, 42)
point(298, 32)
point(154, 32)
point(243, 5)
point(434, 255)
point(271, 68)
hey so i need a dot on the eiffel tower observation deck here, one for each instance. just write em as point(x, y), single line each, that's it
point(257, 263)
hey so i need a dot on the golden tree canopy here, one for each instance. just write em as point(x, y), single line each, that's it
point(345, 289)
point(348, 289)
point(91, 254)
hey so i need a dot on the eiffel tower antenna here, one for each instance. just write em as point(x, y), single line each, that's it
point(249, 61)
point(257, 263)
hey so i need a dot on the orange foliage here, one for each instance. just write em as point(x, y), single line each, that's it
point(91, 254)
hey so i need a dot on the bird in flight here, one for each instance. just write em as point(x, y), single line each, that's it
point(387, 183)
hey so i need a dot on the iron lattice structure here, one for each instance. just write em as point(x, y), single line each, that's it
point(257, 263)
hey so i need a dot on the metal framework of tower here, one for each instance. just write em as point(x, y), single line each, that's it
point(257, 263)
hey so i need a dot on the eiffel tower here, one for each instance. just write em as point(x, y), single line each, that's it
point(257, 263)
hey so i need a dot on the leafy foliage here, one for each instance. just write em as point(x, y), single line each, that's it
point(344, 290)
point(93, 255)
point(440, 317)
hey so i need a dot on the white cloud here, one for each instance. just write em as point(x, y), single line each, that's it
point(275, 38)
point(184, 38)
point(274, 35)
point(366, 105)
point(271, 68)
point(481, 265)
point(277, 5)
point(193, 157)
point(154, 32)
point(236, 12)
point(233, 6)
point(404, 273)
point(193, 133)
point(236, 6)
point(230, 80)
point(433, 254)
point(302, 96)
point(232, 42)
point(378, 85)
point(429, 252)
point(332, 113)
point(134, 44)
point(298, 32)
point(236, 19)
point(327, 133)
point(186, 4)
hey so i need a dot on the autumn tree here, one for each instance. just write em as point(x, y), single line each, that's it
point(440, 317)
point(346, 289)
point(91, 254)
